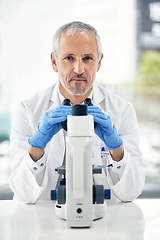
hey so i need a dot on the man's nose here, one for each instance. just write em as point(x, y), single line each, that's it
point(79, 67)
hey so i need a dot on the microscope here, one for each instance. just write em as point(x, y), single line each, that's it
point(78, 200)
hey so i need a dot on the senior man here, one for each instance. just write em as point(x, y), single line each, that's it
point(37, 137)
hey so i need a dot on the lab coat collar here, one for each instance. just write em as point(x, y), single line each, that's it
point(98, 96)
point(54, 94)
point(54, 99)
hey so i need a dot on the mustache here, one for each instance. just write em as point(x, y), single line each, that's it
point(76, 75)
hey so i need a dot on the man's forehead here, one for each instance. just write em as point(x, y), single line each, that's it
point(78, 41)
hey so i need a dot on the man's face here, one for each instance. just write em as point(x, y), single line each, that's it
point(77, 62)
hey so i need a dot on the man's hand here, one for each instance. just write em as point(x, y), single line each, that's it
point(49, 126)
point(105, 129)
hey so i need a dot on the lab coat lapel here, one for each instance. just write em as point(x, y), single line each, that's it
point(57, 144)
point(57, 149)
point(98, 100)
point(54, 100)
point(98, 96)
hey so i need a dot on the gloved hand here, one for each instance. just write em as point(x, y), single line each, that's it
point(105, 129)
point(49, 126)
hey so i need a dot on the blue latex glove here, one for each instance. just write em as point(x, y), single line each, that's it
point(49, 126)
point(105, 129)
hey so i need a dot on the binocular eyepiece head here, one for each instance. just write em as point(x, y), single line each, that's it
point(77, 109)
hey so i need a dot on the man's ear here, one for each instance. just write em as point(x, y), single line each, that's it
point(54, 63)
point(99, 63)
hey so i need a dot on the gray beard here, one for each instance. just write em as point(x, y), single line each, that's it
point(73, 91)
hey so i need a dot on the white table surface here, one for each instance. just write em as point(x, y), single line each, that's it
point(138, 220)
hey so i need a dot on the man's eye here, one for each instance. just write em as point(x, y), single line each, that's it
point(69, 58)
point(87, 58)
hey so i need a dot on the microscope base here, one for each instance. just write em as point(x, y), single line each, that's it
point(98, 211)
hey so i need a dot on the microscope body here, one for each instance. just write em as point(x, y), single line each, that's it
point(78, 200)
point(79, 171)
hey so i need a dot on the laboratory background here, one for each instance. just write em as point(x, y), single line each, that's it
point(130, 33)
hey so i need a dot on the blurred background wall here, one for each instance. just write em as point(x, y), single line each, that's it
point(130, 33)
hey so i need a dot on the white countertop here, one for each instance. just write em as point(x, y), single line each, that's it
point(138, 220)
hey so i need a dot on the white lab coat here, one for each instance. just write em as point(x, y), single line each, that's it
point(31, 181)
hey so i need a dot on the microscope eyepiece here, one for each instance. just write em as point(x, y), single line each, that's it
point(79, 110)
point(88, 101)
point(66, 102)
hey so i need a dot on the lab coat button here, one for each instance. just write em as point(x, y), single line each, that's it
point(35, 168)
point(92, 155)
point(119, 167)
point(42, 164)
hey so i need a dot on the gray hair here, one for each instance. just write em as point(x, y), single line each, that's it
point(72, 28)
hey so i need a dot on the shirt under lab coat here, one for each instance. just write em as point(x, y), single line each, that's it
point(31, 181)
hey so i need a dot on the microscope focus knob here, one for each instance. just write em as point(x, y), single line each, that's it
point(53, 194)
point(107, 194)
